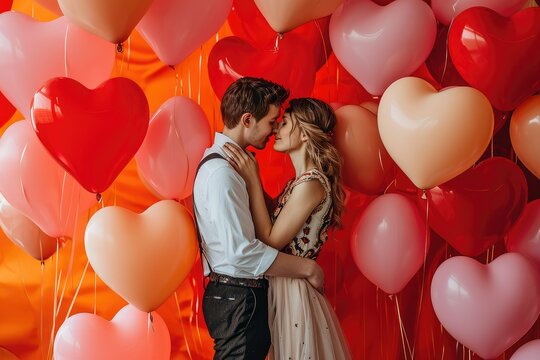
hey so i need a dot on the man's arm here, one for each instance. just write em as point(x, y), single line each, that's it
point(297, 267)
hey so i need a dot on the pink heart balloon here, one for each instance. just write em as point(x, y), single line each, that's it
point(175, 28)
point(446, 10)
point(35, 184)
point(529, 351)
point(32, 52)
point(434, 136)
point(129, 335)
point(378, 45)
point(176, 139)
point(389, 242)
point(487, 308)
point(524, 236)
point(525, 133)
point(145, 257)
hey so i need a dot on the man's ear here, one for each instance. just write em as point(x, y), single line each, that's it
point(246, 119)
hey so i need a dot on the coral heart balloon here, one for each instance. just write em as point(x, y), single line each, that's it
point(51, 5)
point(6, 110)
point(129, 335)
point(367, 167)
point(178, 134)
point(434, 136)
point(524, 236)
point(191, 21)
point(285, 15)
point(110, 20)
point(446, 10)
point(503, 62)
point(25, 68)
point(529, 351)
point(36, 185)
point(477, 208)
point(24, 233)
point(487, 308)
point(525, 133)
point(378, 45)
point(291, 66)
point(145, 257)
point(105, 127)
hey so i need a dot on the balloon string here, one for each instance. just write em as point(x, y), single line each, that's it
point(182, 325)
point(404, 338)
point(77, 291)
point(65, 50)
point(41, 290)
point(128, 52)
point(55, 294)
point(200, 76)
point(176, 81)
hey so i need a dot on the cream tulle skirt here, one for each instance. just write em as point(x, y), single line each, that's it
point(302, 323)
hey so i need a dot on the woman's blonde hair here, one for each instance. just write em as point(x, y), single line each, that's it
point(317, 120)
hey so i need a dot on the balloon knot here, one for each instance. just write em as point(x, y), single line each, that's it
point(120, 47)
point(99, 197)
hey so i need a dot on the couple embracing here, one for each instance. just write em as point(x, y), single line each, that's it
point(265, 289)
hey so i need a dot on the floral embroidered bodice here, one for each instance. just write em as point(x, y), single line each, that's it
point(313, 234)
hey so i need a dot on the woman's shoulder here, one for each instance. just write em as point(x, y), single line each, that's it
point(313, 174)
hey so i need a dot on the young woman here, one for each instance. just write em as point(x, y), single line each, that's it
point(302, 322)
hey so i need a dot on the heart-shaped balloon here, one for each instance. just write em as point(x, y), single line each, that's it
point(36, 185)
point(367, 167)
point(525, 133)
point(129, 335)
point(110, 20)
point(6, 110)
point(446, 10)
point(524, 236)
point(24, 233)
point(5, 5)
point(389, 242)
point(487, 308)
point(177, 136)
point(477, 208)
point(434, 136)
point(145, 257)
point(285, 15)
point(190, 22)
point(529, 351)
point(51, 5)
point(105, 127)
point(503, 62)
point(378, 45)
point(32, 52)
point(291, 65)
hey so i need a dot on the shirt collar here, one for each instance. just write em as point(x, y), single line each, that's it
point(220, 139)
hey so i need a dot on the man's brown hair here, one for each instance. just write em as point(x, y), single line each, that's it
point(250, 95)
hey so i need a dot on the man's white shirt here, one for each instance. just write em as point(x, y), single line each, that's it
point(224, 219)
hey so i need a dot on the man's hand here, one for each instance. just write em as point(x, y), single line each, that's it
point(316, 277)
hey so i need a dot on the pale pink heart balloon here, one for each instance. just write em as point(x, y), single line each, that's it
point(32, 52)
point(529, 351)
point(285, 15)
point(446, 10)
point(175, 28)
point(434, 136)
point(176, 139)
point(378, 45)
point(487, 308)
point(524, 236)
point(389, 242)
point(142, 257)
point(129, 335)
point(35, 184)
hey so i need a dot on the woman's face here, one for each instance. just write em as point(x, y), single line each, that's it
point(287, 135)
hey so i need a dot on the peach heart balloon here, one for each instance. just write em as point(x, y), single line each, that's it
point(487, 308)
point(129, 335)
point(434, 136)
point(142, 257)
point(110, 20)
point(525, 133)
point(285, 15)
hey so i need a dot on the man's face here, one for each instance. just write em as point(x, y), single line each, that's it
point(260, 131)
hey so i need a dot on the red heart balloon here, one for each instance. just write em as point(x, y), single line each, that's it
point(498, 55)
point(92, 133)
point(291, 65)
point(6, 110)
point(246, 21)
point(474, 210)
point(5, 5)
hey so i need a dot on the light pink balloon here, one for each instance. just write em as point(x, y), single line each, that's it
point(32, 52)
point(389, 242)
point(524, 236)
point(446, 10)
point(175, 28)
point(36, 185)
point(529, 351)
point(177, 136)
point(487, 308)
point(129, 335)
point(378, 45)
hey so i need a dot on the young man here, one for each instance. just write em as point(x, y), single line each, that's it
point(235, 303)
